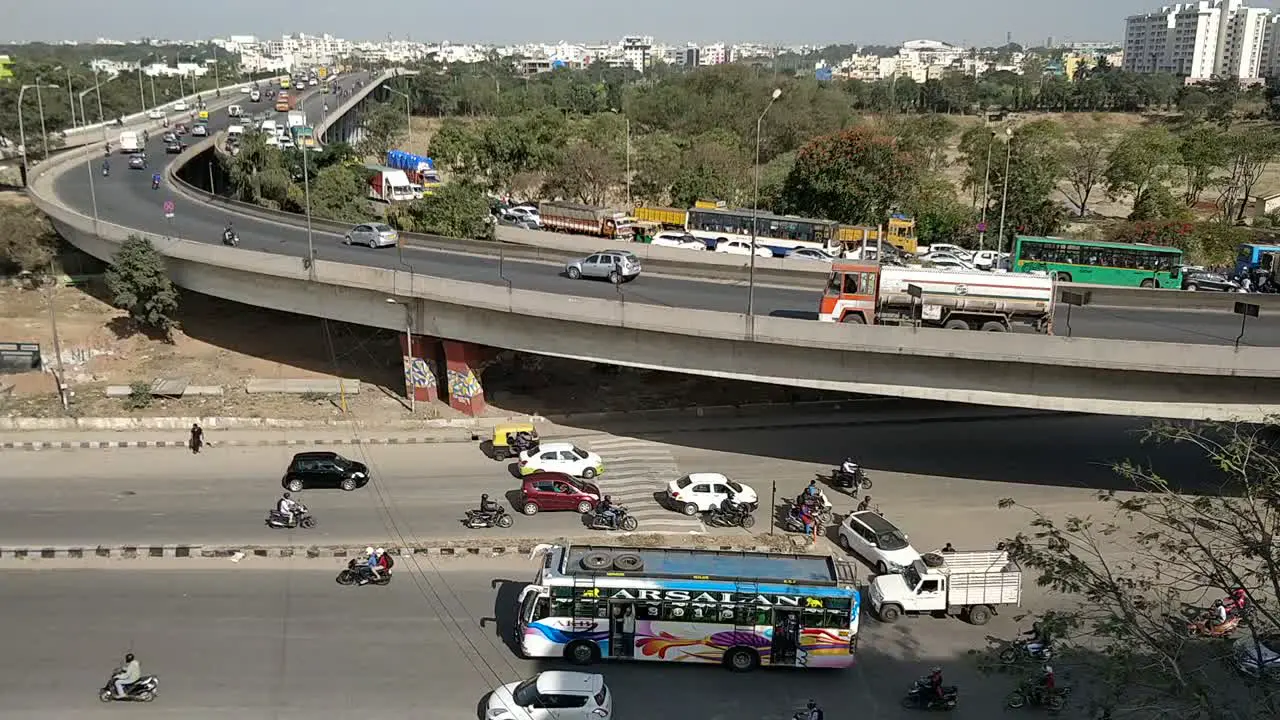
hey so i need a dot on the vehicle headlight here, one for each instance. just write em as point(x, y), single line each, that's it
point(357, 474)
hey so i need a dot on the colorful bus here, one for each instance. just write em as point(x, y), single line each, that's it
point(779, 233)
point(1099, 263)
point(737, 609)
point(1251, 256)
point(303, 136)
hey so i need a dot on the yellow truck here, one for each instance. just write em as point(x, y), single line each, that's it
point(668, 218)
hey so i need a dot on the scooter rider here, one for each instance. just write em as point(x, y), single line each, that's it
point(850, 469)
point(228, 233)
point(129, 673)
point(106, 167)
point(155, 181)
point(370, 565)
point(935, 682)
point(811, 712)
point(288, 508)
point(1038, 639)
point(1217, 617)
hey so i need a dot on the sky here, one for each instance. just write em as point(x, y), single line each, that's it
point(978, 22)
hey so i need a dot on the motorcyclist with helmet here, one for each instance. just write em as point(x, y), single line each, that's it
point(1038, 641)
point(811, 711)
point(229, 234)
point(370, 566)
point(487, 506)
point(128, 673)
point(288, 508)
point(935, 683)
point(1216, 618)
point(607, 511)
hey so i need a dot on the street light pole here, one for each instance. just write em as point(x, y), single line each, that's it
point(88, 164)
point(142, 97)
point(628, 121)
point(71, 100)
point(306, 189)
point(44, 134)
point(408, 116)
point(1004, 199)
point(986, 193)
point(755, 212)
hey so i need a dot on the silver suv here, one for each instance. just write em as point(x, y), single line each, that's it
point(618, 266)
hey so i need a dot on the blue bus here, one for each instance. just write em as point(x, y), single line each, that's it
point(736, 609)
point(1250, 256)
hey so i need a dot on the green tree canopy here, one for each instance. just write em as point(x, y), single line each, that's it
point(857, 176)
point(139, 283)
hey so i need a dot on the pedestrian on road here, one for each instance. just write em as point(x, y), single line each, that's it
point(948, 548)
point(865, 504)
point(197, 438)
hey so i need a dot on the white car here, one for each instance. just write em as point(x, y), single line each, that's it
point(180, 106)
point(741, 247)
point(155, 114)
point(245, 90)
point(524, 211)
point(564, 458)
point(701, 492)
point(877, 541)
point(675, 239)
point(811, 254)
point(198, 130)
point(552, 695)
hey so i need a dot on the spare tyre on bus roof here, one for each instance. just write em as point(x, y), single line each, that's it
point(628, 562)
point(597, 561)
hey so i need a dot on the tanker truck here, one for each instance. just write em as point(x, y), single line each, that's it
point(872, 294)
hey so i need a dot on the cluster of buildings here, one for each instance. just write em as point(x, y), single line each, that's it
point(922, 60)
point(1204, 40)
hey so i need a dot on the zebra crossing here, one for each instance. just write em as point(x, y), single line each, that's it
point(635, 471)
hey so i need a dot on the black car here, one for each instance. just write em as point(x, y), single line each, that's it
point(1205, 280)
point(174, 147)
point(138, 162)
point(170, 137)
point(324, 470)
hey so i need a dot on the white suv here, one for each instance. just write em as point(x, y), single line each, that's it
point(552, 695)
point(877, 541)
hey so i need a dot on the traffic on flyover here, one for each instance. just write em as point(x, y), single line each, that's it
point(262, 636)
point(131, 202)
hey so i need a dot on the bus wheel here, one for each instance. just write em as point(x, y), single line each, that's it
point(582, 652)
point(854, 319)
point(1149, 283)
point(1064, 277)
point(741, 659)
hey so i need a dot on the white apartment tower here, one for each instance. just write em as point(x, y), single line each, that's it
point(1201, 40)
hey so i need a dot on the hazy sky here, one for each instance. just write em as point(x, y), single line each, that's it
point(982, 22)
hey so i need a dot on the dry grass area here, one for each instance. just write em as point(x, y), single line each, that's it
point(225, 343)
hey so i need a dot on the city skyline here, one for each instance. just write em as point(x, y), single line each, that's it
point(978, 22)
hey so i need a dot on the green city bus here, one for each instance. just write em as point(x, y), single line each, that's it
point(1099, 263)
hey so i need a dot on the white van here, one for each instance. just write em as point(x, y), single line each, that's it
point(268, 127)
point(235, 131)
point(130, 142)
point(255, 95)
point(235, 111)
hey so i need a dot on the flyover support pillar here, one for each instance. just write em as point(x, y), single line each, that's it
point(463, 364)
point(420, 367)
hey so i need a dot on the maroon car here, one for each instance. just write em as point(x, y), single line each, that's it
point(557, 491)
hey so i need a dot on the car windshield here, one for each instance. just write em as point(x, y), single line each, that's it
point(891, 540)
point(582, 454)
point(526, 693)
point(734, 486)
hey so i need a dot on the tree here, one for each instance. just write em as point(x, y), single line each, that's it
point(1201, 153)
point(857, 176)
point(1033, 156)
point(338, 192)
point(1141, 161)
point(1131, 571)
point(383, 125)
point(1248, 153)
point(454, 146)
point(1084, 160)
point(26, 238)
point(712, 166)
point(258, 173)
point(139, 284)
point(456, 209)
point(585, 173)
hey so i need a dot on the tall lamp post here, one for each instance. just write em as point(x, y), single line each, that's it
point(22, 130)
point(755, 211)
point(306, 194)
point(1004, 194)
point(88, 164)
point(986, 194)
point(408, 113)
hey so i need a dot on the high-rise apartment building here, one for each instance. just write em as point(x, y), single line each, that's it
point(1201, 40)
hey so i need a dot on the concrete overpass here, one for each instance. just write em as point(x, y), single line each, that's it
point(459, 303)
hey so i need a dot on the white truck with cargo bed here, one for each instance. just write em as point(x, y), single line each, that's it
point(968, 585)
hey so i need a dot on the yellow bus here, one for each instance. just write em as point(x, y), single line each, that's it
point(284, 83)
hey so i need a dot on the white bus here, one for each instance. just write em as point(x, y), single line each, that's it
point(737, 609)
point(779, 233)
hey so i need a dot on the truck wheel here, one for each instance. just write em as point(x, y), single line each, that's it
point(979, 615)
point(853, 319)
point(993, 326)
point(1064, 277)
point(956, 325)
point(889, 614)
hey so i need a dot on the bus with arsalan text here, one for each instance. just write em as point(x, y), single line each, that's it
point(1099, 263)
point(736, 609)
point(1252, 256)
point(779, 233)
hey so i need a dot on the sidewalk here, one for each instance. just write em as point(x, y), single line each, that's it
point(357, 433)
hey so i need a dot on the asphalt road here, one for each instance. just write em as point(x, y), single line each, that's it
point(940, 481)
point(287, 642)
point(126, 198)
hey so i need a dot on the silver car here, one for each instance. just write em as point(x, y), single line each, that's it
point(618, 266)
point(375, 235)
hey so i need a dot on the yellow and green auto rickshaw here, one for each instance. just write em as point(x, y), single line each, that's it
point(511, 439)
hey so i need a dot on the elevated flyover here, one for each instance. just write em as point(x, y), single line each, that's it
point(458, 301)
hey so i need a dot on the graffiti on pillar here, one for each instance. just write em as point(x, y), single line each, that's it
point(464, 384)
point(418, 373)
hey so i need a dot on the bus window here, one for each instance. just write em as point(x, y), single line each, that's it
point(1244, 254)
point(590, 609)
point(852, 286)
point(562, 607)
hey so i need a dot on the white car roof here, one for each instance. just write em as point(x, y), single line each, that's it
point(707, 477)
point(561, 682)
point(555, 446)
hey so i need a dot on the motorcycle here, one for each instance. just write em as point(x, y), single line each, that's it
point(819, 506)
point(303, 519)
point(1018, 651)
point(621, 520)
point(106, 171)
point(1204, 627)
point(922, 697)
point(850, 481)
point(1053, 701)
point(155, 184)
point(231, 238)
point(477, 519)
point(144, 690)
point(356, 570)
point(739, 516)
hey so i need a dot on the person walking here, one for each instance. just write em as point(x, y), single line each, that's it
point(197, 438)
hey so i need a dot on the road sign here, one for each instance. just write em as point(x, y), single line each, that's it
point(168, 208)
